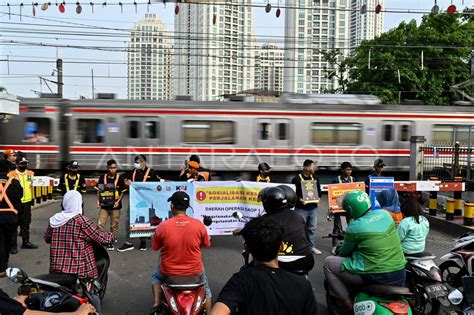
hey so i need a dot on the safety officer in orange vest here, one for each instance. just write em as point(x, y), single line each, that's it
point(264, 173)
point(9, 160)
point(11, 193)
point(25, 177)
point(72, 180)
point(344, 178)
point(140, 173)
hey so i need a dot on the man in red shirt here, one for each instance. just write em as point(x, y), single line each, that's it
point(180, 239)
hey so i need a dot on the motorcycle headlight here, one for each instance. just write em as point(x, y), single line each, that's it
point(435, 274)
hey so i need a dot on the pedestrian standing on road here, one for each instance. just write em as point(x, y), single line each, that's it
point(72, 180)
point(264, 173)
point(25, 177)
point(110, 191)
point(11, 193)
point(140, 173)
point(308, 210)
point(378, 168)
point(344, 178)
point(9, 160)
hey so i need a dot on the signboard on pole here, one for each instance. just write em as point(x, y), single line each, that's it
point(337, 190)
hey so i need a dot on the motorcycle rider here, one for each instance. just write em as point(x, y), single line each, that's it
point(180, 239)
point(295, 254)
point(370, 254)
point(263, 287)
point(414, 228)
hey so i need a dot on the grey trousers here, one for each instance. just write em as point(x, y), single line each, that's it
point(339, 281)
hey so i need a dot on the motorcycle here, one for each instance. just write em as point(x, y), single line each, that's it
point(94, 292)
point(184, 295)
point(458, 263)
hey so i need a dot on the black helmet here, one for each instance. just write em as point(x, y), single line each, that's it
point(290, 195)
point(274, 199)
point(262, 193)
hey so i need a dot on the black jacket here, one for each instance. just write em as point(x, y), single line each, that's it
point(14, 193)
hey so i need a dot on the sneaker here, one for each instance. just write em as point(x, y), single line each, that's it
point(110, 247)
point(125, 247)
point(142, 246)
point(316, 251)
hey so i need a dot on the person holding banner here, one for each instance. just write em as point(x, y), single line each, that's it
point(180, 240)
point(378, 168)
point(308, 191)
point(140, 173)
point(110, 191)
point(344, 178)
point(264, 173)
point(185, 171)
point(192, 173)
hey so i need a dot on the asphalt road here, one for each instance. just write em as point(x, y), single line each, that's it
point(129, 289)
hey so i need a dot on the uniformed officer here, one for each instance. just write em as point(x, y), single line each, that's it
point(11, 193)
point(9, 160)
point(264, 173)
point(25, 177)
point(72, 180)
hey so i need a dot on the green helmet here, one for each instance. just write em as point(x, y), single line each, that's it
point(356, 203)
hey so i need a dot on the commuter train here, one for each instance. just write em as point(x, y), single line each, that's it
point(228, 136)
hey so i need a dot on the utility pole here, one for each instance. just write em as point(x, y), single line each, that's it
point(92, 76)
point(59, 68)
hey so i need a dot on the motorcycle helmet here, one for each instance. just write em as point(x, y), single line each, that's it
point(356, 203)
point(274, 199)
point(290, 195)
point(262, 193)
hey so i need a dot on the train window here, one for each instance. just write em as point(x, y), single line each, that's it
point(462, 135)
point(151, 130)
point(443, 133)
point(90, 131)
point(335, 133)
point(211, 132)
point(387, 133)
point(265, 131)
point(282, 131)
point(405, 132)
point(133, 129)
point(37, 130)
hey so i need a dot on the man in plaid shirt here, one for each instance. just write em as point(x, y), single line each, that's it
point(70, 234)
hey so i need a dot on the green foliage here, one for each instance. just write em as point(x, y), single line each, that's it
point(2, 89)
point(395, 69)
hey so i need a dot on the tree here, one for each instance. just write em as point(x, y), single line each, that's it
point(337, 68)
point(2, 89)
point(415, 62)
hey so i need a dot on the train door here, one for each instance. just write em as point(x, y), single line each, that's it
point(274, 134)
point(395, 135)
point(143, 134)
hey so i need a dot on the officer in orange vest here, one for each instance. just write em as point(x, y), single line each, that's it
point(11, 193)
point(25, 177)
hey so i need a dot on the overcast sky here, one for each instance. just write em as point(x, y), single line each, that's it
point(22, 78)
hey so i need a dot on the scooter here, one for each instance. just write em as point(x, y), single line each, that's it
point(94, 292)
point(184, 295)
point(459, 262)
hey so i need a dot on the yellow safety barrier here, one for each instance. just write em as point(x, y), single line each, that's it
point(43, 188)
point(433, 203)
point(450, 209)
point(468, 213)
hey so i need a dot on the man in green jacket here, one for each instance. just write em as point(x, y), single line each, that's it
point(370, 254)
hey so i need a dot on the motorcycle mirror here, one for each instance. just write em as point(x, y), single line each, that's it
point(16, 275)
point(455, 297)
point(207, 220)
point(238, 215)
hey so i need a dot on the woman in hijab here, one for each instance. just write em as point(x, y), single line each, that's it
point(70, 234)
point(388, 200)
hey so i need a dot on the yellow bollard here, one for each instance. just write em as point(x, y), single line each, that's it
point(450, 209)
point(468, 213)
point(38, 194)
point(50, 192)
point(44, 193)
point(458, 203)
point(433, 204)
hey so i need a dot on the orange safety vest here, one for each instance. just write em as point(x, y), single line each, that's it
point(115, 184)
point(4, 196)
point(144, 177)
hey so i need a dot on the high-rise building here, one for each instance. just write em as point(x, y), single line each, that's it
point(213, 59)
point(327, 26)
point(269, 68)
point(366, 25)
point(149, 60)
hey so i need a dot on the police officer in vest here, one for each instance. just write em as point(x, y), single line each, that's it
point(11, 193)
point(140, 173)
point(344, 178)
point(264, 173)
point(25, 177)
point(72, 180)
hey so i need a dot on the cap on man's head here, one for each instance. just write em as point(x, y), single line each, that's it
point(180, 200)
point(193, 164)
point(8, 152)
point(21, 160)
point(264, 166)
point(73, 164)
point(379, 163)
